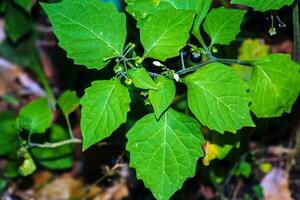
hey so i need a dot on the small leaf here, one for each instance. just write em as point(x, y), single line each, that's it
point(162, 98)
point(223, 24)
point(215, 151)
point(244, 169)
point(26, 4)
point(104, 108)
point(68, 102)
point(141, 79)
point(264, 5)
point(36, 116)
point(165, 152)
point(274, 85)
point(17, 22)
point(169, 32)
point(28, 166)
point(94, 34)
point(218, 98)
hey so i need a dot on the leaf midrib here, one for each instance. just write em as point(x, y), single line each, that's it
point(158, 40)
point(218, 99)
point(104, 108)
point(221, 27)
point(271, 83)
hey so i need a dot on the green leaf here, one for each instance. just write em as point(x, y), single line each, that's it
point(55, 158)
point(26, 4)
point(244, 169)
point(68, 102)
point(264, 5)
point(141, 79)
point(28, 166)
point(218, 98)
point(169, 32)
point(36, 116)
point(17, 22)
point(8, 134)
point(215, 151)
point(104, 108)
point(251, 49)
point(91, 36)
point(274, 85)
point(223, 25)
point(162, 98)
point(165, 152)
point(141, 9)
point(203, 7)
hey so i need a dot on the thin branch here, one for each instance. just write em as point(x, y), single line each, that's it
point(56, 144)
point(182, 60)
point(214, 59)
point(193, 68)
point(154, 74)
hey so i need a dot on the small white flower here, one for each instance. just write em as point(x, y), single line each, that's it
point(157, 63)
point(176, 77)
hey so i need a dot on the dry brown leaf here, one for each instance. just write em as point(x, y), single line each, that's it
point(14, 80)
point(276, 185)
point(62, 188)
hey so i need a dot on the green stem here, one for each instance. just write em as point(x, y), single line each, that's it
point(296, 25)
point(214, 59)
point(69, 127)
point(193, 68)
point(46, 85)
point(56, 144)
point(200, 39)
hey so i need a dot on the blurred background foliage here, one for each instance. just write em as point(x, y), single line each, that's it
point(32, 65)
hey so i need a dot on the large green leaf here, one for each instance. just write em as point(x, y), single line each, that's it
point(141, 9)
point(169, 33)
point(68, 102)
point(104, 108)
point(274, 85)
point(17, 22)
point(218, 98)
point(165, 152)
point(91, 31)
point(55, 158)
point(36, 116)
point(223, 24)
point(141, 79)
point(264, 5)
point(8, 134)
point(163, 96)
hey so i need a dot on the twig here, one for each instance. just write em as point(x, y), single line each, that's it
point(214, 59)
point(182, 60)
point(56, 144)
point(237, 190)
